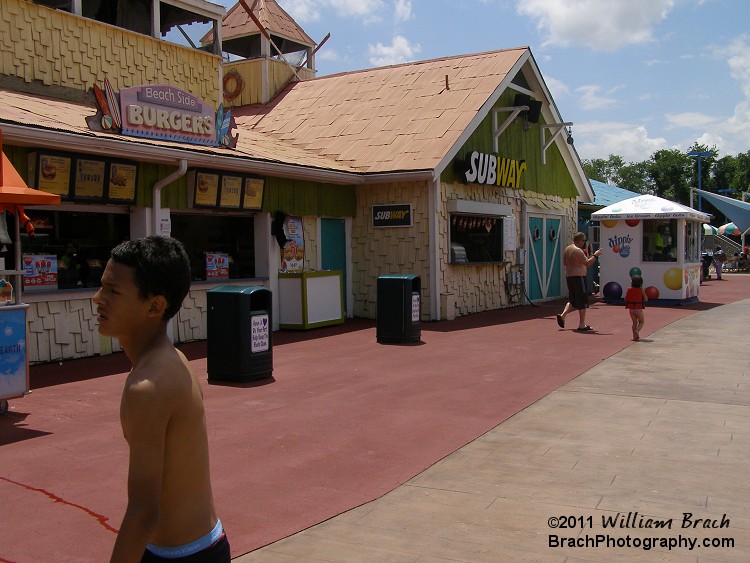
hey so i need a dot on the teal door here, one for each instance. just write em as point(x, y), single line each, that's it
point(333, 248)
point(544, 260)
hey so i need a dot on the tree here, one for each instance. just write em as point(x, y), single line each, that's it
point(669, 171)
point(607, 171)
point(635, 177)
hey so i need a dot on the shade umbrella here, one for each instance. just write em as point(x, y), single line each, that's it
point(730, 229)
point(710, 229)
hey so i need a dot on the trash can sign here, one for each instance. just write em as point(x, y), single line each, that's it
point(415, 308)
point(259, 341)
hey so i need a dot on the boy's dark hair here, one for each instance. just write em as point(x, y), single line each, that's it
point(636, 281)
point(161, 267)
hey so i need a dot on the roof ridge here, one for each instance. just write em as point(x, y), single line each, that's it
point(420, 62)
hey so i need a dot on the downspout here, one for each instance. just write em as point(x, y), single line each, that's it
point(156, 193)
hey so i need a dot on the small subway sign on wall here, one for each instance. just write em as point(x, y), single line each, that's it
point(393, 215)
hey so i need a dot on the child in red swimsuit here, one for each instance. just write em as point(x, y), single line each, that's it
point(635, 300)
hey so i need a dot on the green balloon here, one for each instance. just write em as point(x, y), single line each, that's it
point(635, 272)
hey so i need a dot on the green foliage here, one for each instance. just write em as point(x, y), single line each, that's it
point(671, 173)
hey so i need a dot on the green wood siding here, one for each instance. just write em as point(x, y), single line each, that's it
point(552, 178)
point(309, 199)
point(294, 197)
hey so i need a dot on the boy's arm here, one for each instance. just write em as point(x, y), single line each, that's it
point(645, 297)
point(144, 423)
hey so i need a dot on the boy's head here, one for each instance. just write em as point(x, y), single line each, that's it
point(636, 281)
point(160, 267)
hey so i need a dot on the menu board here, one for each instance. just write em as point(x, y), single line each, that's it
point(122, 182)
point(253, 196)
point(53, 174)
point(89, 179)
point(231, 191)
point(206, 189)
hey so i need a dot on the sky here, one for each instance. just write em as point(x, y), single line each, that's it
point(634, 76)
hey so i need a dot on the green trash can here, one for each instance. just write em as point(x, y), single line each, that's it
point(240, 343)
point(399, 309)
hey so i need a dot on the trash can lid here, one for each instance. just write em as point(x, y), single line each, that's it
point(244, 289)
point(398, 276)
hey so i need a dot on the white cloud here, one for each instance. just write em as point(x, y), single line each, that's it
point(399, 51)
point(403, 11)
point(602, 25)
point(690, 120)
point(591, 98)
point(557, 88)
point(631, 142)
point(734, 131)
point(304, 11)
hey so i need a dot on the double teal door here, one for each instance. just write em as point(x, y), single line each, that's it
point(544, 258)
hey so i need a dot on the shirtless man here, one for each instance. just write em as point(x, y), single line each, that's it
point(576, 263)
point(170, 513)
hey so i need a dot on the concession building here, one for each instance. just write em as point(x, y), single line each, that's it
point(459, 170)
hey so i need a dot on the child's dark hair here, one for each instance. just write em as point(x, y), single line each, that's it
point(161, 267)
point(636, 281)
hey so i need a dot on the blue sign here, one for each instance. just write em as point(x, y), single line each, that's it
point(12, 352)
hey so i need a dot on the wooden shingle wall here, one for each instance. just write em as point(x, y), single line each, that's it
point(64, 330)
point(398, 250)
point(251, 72)
point(483, 287)
point(60, 49)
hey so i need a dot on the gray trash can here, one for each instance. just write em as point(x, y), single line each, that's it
point(240, 346)
point(399, 307)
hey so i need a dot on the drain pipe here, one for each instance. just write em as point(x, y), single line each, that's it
point(182, 165)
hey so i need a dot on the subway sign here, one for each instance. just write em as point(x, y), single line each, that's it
point(491, 169)
point(393, 215)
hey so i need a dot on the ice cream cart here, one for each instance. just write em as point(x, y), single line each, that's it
point(655, 238)
point(14, 363)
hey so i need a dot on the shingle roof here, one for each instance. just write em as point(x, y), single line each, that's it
point(405, 118)
point(58, 115)
point(397, 118)
point(273, 17)
point(607, 194)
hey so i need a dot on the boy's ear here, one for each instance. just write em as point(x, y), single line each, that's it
point(157, 305)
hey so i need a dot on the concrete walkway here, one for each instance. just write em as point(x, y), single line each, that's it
point(630, 460)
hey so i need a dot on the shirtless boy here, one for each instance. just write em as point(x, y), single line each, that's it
point(170, 514)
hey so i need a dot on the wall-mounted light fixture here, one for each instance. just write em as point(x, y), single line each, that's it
point(555, 129)
point(569, 140)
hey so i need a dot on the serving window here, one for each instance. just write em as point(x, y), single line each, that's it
point(660, 240)
point(475, 238)
point(69, 248)
point(220, 246)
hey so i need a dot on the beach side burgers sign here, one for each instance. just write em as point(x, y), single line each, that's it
point(162, 112)
point(491, 169)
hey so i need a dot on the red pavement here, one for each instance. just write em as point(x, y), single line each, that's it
point(343, 421)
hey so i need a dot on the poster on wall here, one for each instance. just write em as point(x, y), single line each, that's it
point(217, 266)
point(293, 252)
point(39, 271)
point(253, 196)
point(122, 183)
